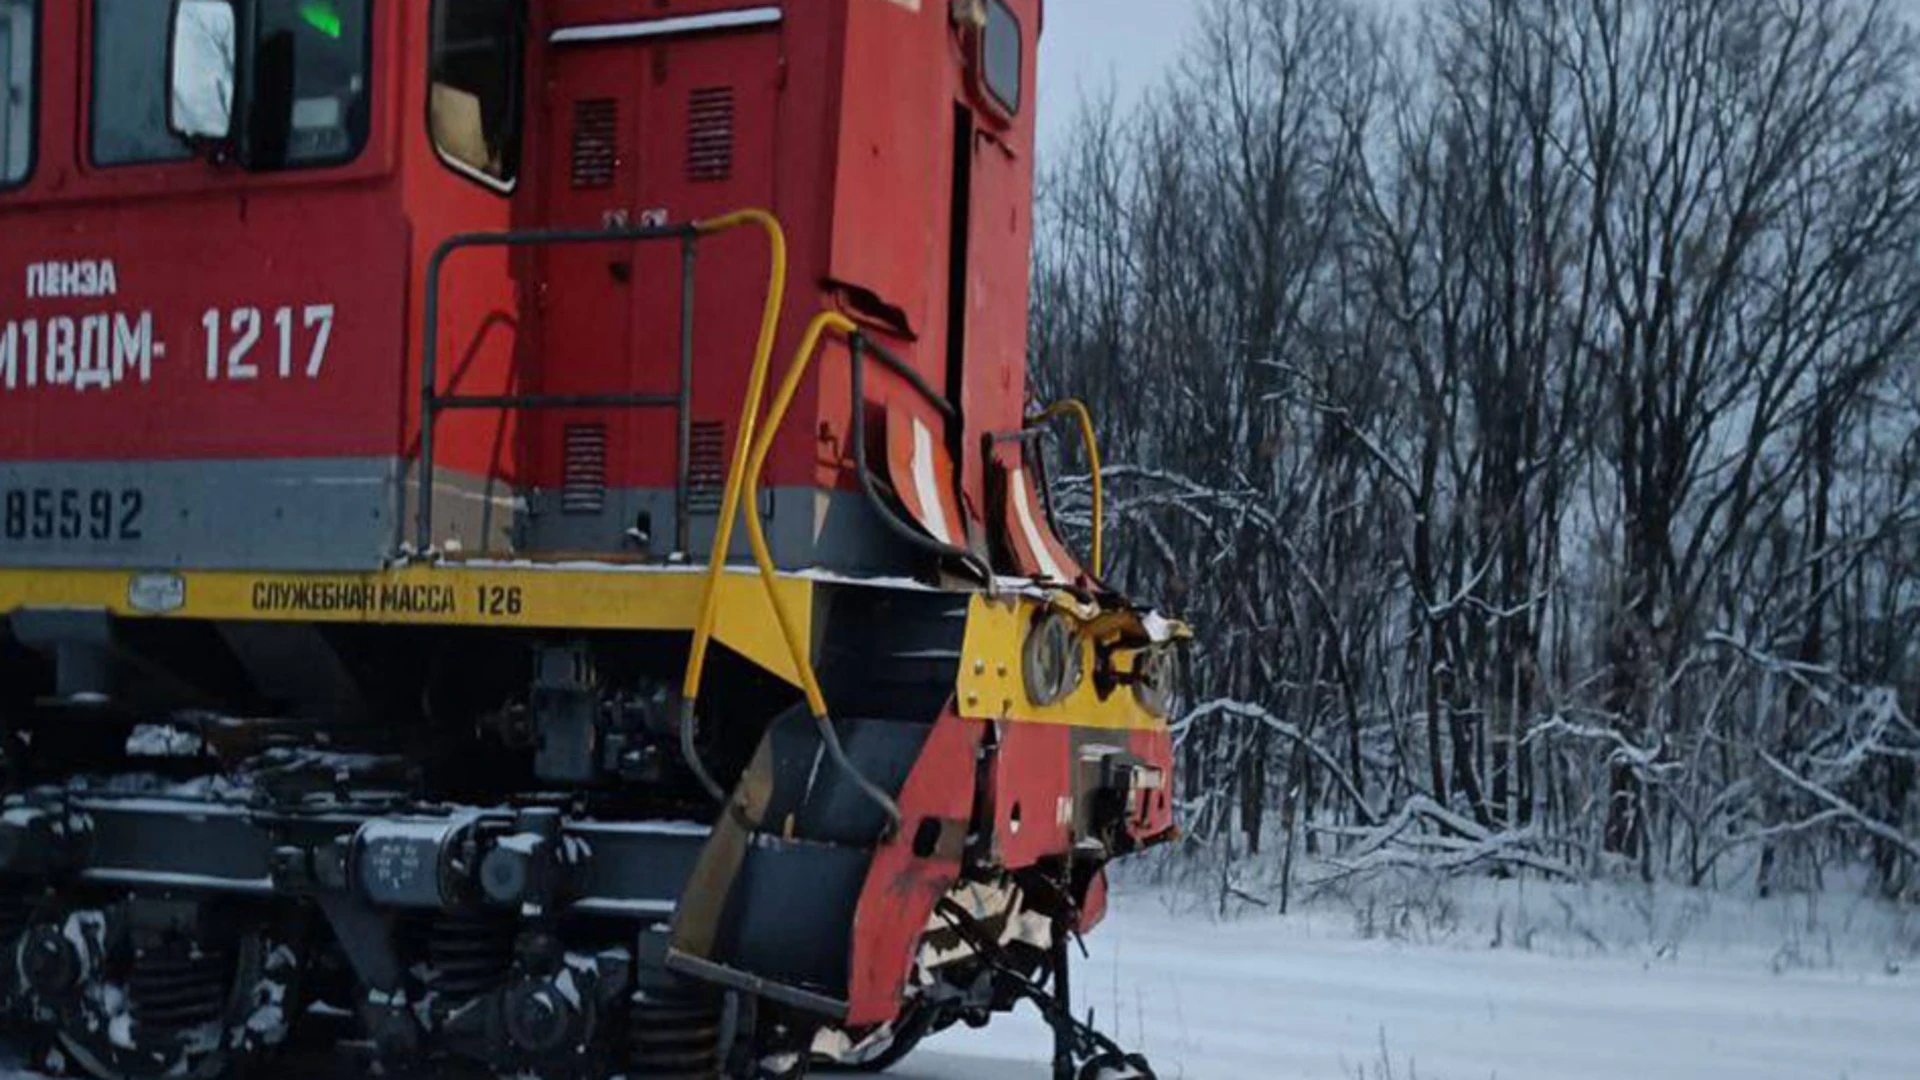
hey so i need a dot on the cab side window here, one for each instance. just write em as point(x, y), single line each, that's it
point(1002, 55)
point(478, 49)
point(311, 104)
point(130, 84)
point(17, 89)
point(305, 64)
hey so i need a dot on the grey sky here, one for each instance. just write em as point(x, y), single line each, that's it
point(1092, 44)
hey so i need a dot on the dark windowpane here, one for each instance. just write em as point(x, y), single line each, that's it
point(305, 79)
point(318, 101)
point(1002, 55)
point(130, 84)
point(17, 90)
point(474, 113)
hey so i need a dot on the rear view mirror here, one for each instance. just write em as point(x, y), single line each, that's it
point(205, 52)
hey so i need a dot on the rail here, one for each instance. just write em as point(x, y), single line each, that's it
point(730, 498)
point(433, 402)
point(743, 489)
point(753, 445)
point(1078, 410)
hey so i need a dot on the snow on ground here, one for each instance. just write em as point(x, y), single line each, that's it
point(1587, 984)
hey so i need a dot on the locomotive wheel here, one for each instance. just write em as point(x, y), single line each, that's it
point(176, 1010)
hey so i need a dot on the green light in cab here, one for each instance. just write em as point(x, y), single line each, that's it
point(322, 16)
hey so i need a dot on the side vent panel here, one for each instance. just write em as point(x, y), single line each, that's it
point(707, 467)
point(710, 134)
point(585, 487)
point(596, 142)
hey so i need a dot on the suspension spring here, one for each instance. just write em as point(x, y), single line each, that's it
point(673, 1038)
point(178, 986)
point(470, 956)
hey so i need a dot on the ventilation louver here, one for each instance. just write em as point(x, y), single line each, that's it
point(707, 467)
point(585, 488)
point(596, 144)
point(710, 134)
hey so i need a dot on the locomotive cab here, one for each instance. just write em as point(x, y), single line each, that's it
point(522, 541)
point(240, 324)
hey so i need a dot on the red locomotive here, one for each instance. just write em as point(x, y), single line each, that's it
point(521, 544)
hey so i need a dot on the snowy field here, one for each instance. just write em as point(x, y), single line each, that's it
point(1483, 982)
point(1590, 984)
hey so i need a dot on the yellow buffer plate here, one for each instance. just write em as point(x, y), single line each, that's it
point(513, 596)
point(993, 687)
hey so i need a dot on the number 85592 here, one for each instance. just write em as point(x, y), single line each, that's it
point(96, 514)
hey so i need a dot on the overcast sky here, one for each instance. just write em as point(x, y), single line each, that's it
point(1127, 45)
point(1092, 44)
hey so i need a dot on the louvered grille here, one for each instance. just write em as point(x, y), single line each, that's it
point(710, 134)
point(585, 487)
point(596, 143)
point(707, 467)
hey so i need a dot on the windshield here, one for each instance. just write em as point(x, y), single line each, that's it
point(308, 82)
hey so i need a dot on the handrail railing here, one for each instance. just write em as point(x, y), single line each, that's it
point(860, 347)
point(1078, 409)
point(730, 498)
point(797, 643)
point(433, 402)
point(748, 498)
point(753, 445)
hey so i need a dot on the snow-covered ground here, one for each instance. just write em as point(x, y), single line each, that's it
point(1591, 984)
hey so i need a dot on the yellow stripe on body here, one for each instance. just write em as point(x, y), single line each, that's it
point(513, 597)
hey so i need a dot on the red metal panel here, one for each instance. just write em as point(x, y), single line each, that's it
point(841, 124)
point(275, 266)
point(1154, 819)
point(481, 318)
point(693, 129)
point(892, 174)
point(903, 886)
point(1033, 793)
point(598, 306)
point(259, 347)
point(998, 279)
point(1093, 905)
point(999, 261)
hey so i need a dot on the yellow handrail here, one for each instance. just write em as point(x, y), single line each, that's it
point(797, 643)
point(1078, 409)
point(743, 442)
point(754, 445)
point(730, 501)
point(799, 648)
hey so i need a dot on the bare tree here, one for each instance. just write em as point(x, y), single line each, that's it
point(1495, 387)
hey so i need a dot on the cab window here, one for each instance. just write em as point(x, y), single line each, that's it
point(17, 89)
point(473, 113)
point(1002, 56)
point(305, 66)
point(130, 84)
point(310, 83)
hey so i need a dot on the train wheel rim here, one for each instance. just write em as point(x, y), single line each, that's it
point(99, 1029)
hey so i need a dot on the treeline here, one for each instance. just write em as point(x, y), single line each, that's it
point(1522, 397)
